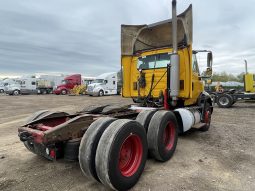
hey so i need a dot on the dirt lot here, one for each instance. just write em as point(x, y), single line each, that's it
point(221, 159)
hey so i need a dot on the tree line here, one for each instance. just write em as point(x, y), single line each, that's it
point(225, 77)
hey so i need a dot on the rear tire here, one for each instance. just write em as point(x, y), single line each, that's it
point(207, 117)
point(44, 92)
point(101, 93)
point(88, 146)
point(144, 118)
point(121, 154)
point(162, 135)
point(1, 91)
point(63, 92)
point(29, 146)
point(16, 92)
point(224, 100)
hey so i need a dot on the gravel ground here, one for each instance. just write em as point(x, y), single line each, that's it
point(221, 159)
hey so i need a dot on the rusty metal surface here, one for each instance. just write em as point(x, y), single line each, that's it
point(115, 109)
point(35, 116)
point(94, 109)
point(71, 129)
point(75, 126)
point(44, 114)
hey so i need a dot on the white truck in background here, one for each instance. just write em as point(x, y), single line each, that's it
point(25, 85)
point(104, 84)
point(4, 84)
point(43, 84)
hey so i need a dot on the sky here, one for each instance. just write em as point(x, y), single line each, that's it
point(78, 36)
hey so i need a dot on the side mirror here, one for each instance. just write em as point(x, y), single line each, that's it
point(208, 72)
point(209, 59)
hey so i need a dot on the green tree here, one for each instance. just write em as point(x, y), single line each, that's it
point(224, 77)
point(240, 77)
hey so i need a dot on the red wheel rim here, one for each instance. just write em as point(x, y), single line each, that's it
point(169, 136)
point(130, 155)
point(207, 117)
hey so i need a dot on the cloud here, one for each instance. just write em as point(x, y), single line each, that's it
point(84, 36)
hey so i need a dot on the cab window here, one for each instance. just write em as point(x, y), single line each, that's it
point(153, 61)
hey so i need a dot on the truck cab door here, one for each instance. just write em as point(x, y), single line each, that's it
point(23, 87)
point(105, 86)
point(112, 84)
point(33, 87)
point(197, 85)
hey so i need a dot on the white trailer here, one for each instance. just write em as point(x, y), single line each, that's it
point(54, 79)
point(104, 84)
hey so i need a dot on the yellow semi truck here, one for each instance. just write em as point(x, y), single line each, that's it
point(161, 73)
point(249, 80)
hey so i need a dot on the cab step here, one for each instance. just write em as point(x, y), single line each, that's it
point(198, 125)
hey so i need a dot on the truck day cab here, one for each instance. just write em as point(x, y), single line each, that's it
point(6, 83)
point(68, 83)
point(104, 84)
point(33, 85)
point(112, 143)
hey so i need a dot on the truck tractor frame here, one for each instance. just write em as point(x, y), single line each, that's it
point(160, 72)
point(228, 98)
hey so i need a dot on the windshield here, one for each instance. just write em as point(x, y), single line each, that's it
point(153, 61)
point(65, 82)
point(98, 81)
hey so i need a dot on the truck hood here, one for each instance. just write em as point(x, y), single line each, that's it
point(13, 85)
point(138, 38)
point(61, 86)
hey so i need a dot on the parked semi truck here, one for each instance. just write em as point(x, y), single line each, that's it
point(2, 89)
point(6, 83)
point(112, 143)
point(104, 84)
point(32, 85)
point(67, 84)
point(226, 99)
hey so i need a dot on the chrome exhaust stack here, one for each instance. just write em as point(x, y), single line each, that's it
point(175, 59)
point(246, 67)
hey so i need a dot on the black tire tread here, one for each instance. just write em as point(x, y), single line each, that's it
point(230, 101)
point(104, 147)
point(153, 134)
point(88, 146)
point(144, 118)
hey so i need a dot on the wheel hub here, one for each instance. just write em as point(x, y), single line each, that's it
point(169, 136)
point(223, 101)
point(130, 155)
point(207, 117)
